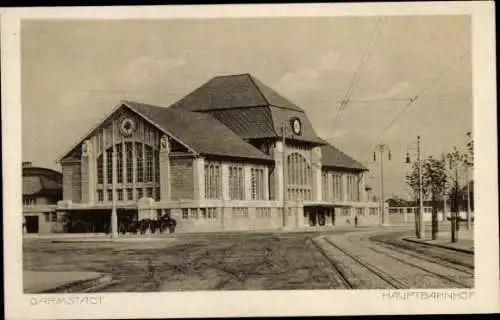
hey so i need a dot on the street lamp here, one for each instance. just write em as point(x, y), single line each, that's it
point(382, 148)
point(419, 228)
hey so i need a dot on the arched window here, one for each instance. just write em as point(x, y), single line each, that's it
point(299, 176)
point(137, 172)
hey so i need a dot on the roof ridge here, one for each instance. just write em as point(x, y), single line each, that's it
point(258, 89)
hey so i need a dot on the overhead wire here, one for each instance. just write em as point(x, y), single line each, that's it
point(364, 59)
point(412, 100)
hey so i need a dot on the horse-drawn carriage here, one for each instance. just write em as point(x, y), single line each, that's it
point(132, 225)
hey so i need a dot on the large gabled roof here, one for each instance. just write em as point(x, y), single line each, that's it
point(199, 131)
point(38, 184)
point(334, 158)
point(233, 91)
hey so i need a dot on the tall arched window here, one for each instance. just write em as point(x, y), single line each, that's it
point(299, 176)
point(137, 167)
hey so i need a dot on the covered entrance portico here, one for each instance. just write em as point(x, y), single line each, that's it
point(94, 219)
point(321, 214)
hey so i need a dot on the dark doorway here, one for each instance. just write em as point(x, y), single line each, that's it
point(32, 224)
point(320, 212)
point(89, 221)
point(311, 216)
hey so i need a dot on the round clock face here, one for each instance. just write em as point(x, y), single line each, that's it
point(296, 126)
point(127, 126)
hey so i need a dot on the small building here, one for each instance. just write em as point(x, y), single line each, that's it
point(42, 189)
point(231, 155)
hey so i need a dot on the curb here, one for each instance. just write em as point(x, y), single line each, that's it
point(82, 285)
point(468, 251)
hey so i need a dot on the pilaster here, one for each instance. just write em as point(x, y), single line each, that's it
point(199, 178)
point(279, 181)
point(316, 173)
point(344, 187)
point(87, 172)
point(266, 183)
point(225, 181)
point(247, 178)
point(165, 177)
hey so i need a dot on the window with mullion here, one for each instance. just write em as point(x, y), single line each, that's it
point(109, 166)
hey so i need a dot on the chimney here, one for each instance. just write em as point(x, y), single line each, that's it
point(27, 164)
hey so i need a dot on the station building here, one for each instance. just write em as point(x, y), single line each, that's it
point(42, 189)
point(231, 155)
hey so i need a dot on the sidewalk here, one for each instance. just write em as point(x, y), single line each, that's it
point(465, 238)
point(51, 281)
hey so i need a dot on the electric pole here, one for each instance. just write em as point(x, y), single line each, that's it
point(455, 158)
point(283, 148)
point(420, 192)
point(114, 215)
point(382, 148)
point(419, 218)
point(468, 163)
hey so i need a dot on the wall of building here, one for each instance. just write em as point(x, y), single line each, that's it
point(72, 185)
point(181, 179)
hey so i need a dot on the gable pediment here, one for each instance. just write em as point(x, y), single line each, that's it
point(122, 124)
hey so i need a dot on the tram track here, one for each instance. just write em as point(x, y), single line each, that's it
point(428, 271)
point(340, 274)
point(455, 265)
point(380, 274)
point(441, 276)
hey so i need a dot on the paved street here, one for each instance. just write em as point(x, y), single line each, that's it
point(308, 260)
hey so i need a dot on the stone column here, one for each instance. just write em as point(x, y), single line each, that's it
point(165, 187)
point(199, 178)
point(225, 181)
point(344, 187)
point(87, 173)
point(316, 173)
point(266, 183)
point(247, 180)
point(278, 171)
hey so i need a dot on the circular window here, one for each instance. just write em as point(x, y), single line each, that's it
point(127, 126)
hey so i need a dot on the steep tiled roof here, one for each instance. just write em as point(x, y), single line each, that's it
point(233, 91)
point(33, 185)
point(199, 131)
point(247, 106)
point(248, 123)
point(333, 157)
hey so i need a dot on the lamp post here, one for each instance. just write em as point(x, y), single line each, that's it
point(420, 219)
point(455, 158)
point(283, 132)
point(382, 148)
point(468, 164)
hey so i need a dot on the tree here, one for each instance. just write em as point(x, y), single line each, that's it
point(434, 177)
point(457, 159)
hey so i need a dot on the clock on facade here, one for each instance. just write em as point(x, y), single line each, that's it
point(296, 126)
point(127, 126)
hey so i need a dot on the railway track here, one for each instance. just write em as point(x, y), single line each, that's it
point(430, 269)
point(455, 265)
point(382, 275)
point(340, 275)
point(414, 265)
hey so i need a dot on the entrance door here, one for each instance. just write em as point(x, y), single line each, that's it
point(31, 224)
point(311, 215)
point(321, 216)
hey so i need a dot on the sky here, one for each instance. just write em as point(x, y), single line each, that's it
point(74, 72)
